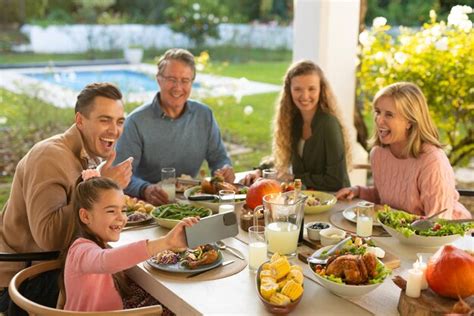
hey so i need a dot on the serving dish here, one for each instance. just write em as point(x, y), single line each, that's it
point(212, 204)
point(273, 308)
point(421, 241)
point(326, 201)
point(182, 210)
point(342, 289)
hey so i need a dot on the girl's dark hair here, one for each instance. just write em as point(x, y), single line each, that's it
point(88, 193)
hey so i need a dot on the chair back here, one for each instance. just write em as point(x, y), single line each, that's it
point(36, 309)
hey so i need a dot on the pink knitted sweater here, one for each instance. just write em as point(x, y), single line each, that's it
point(88, 274)
point(422, 185)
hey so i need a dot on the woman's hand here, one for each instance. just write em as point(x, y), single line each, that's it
point(348, 193)
point(251, 177)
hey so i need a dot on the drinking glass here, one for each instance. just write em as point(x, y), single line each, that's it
point(168, 182)
point(365, 221)
point(226, 201)
point(269, 174)
point(257, 247)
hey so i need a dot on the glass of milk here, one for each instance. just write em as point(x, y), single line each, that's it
point(257, 247)
point(168, 182)
point(365, 221)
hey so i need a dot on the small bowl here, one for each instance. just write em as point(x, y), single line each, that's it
point(331, 236)
point(272, 308)
point(314, 228)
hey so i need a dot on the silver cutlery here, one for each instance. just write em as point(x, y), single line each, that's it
point(222, 246)
point(425, 223)
point(201, 272)
point(328, 253)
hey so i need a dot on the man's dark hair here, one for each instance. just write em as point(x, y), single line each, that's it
point(87, 95)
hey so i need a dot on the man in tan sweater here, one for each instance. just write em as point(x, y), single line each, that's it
point(39, 209)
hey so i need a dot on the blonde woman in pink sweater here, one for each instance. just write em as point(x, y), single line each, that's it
point(93, 277)
point(410, 170)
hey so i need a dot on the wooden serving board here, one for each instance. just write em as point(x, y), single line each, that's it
point(307, 248)
point(429, 303)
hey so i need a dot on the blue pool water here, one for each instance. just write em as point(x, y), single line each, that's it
point(128, 81)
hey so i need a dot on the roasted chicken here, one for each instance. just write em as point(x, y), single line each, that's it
point(353, 269)
point(209, 255)
point(216, 184)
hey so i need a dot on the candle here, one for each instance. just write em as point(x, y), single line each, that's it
point(420, 265)
point(414, 283)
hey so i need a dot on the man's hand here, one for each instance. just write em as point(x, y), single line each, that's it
point(155, 195)
point(121, 173)
point(251, 177)
point(227, 172)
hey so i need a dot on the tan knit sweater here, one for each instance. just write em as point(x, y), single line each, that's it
point(39, 208)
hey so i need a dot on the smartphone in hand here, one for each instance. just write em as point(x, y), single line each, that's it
point(211, 229)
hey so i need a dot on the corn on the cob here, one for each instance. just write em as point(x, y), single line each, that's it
point(266, 266)
point(281, 284)
point(292, 289)
point(266, 273)
point(279, 299)
point(268, 289)
point(275, 257)
point(267, 280)
point(280, 267)
point(295, 275)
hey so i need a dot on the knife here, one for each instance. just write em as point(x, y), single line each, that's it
point(207, 197)
point(201, 272)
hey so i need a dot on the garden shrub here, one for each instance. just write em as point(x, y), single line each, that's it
point(439, 58)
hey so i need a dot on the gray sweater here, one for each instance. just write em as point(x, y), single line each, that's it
point(156, 141)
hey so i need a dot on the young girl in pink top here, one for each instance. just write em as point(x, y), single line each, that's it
point(410, 170)
point(93, 280)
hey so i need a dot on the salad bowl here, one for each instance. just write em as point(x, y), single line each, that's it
point(398, 225)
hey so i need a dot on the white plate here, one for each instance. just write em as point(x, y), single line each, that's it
point(350, 214)
point(421, 241)
point(180, 268)
point(339, 288)
point(213, 205)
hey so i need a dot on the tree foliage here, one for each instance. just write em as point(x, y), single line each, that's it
point(439, 58)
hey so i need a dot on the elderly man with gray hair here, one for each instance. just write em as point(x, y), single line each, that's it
point(171, 131)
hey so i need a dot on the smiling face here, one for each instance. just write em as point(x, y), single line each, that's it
point(305, 92)
point(101, 126)
point(175, 86)
point(392, 127)
point(106, 219)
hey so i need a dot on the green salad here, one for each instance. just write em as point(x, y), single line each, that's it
point(400, 221)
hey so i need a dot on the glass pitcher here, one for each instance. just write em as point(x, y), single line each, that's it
point(283, 214)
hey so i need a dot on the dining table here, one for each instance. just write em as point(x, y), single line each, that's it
point(237, 293)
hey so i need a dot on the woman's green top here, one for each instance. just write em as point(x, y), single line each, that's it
point(323, 164)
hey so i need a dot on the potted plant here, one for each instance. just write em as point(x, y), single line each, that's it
point(133, 54)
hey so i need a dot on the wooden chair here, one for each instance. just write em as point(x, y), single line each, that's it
point(35, 309)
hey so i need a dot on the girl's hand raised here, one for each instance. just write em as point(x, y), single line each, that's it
point(176, 237)
point(348, 193)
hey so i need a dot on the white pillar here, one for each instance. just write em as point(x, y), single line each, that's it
point(326, 32)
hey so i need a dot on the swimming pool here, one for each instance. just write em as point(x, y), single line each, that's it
point(127, 80)
point(60, 85)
